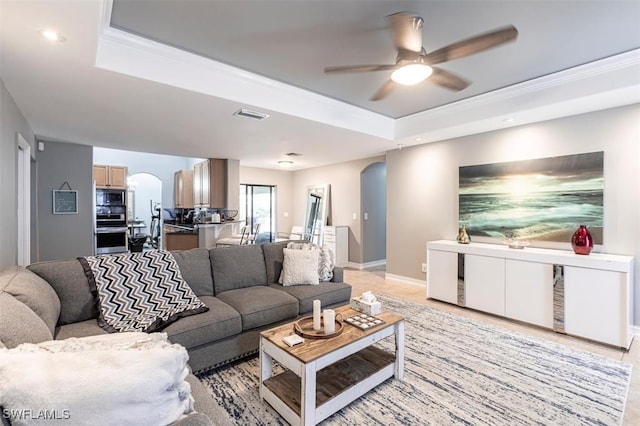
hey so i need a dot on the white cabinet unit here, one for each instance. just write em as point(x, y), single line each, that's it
point(336, 239)
point(592, 304)
point(596, 301)
point(484, 283)
point(529, 292)
point(442, 278)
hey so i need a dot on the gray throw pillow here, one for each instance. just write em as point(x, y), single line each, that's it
point(19, 324)
point(34, 292)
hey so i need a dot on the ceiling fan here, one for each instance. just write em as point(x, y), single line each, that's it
point(414, 65)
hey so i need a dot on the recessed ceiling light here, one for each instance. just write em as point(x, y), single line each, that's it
point(509, 120)
point(53, 35)
point(285, 163)
point(418, 139)
point(293, 154)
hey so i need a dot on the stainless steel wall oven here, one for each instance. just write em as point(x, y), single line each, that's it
point(111, 221)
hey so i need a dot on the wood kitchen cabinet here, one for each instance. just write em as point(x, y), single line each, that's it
point(110, 177)
point(210, 183)
point(180, 241)
point(183, 189)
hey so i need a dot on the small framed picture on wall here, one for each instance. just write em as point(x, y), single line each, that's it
point(65, 201)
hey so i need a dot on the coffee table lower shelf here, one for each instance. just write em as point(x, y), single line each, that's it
point(337, 378)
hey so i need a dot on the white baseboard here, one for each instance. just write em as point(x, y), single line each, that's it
point(366, 265)
point(635, 329)
point(405, 280)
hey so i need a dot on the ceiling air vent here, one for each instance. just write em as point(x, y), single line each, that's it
point(251, 114)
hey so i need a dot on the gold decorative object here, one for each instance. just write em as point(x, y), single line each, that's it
point(463, 237)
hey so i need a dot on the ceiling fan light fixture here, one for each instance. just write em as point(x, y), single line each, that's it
point(411, 74)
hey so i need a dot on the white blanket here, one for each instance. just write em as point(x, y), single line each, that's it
point(115, 379)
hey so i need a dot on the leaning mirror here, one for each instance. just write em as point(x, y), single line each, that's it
point(316, 213)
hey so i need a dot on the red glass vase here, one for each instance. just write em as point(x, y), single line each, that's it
point(582, 242)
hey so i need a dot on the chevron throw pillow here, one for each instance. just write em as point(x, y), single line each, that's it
point(139, 291)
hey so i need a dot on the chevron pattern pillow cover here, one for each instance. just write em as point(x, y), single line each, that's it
point(139, 291)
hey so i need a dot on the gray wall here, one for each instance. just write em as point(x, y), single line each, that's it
point(69, 235)
point(374, 205)
point(11, 122)
point(422, 181)
point(344, 179)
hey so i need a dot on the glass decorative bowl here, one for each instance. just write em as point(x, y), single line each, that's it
point(517, 244)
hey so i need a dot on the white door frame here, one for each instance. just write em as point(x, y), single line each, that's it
point(24, 201)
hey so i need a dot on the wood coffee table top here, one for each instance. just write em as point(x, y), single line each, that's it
point(312, 349)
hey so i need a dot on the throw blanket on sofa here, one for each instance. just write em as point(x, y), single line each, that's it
point(114, 379)
point(139, 291)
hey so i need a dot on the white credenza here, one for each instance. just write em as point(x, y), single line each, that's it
point(336, 239)
point(595, 298)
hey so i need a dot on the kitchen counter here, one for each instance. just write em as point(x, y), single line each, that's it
point(207, 234)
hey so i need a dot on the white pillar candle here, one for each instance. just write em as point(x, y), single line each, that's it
point(316, 315)
point(329, 321)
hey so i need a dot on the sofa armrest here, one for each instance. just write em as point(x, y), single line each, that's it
point(338, 274)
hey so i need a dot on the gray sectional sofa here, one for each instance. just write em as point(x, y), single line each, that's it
point(239, 284)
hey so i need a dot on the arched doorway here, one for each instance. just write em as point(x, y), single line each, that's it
point(144, 202)
point(373, 181)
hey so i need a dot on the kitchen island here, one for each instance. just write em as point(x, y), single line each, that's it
point(203, 235)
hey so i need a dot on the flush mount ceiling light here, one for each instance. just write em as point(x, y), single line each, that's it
point(411, 74)
point(285, 163)
point(53, 35)
point(255, 115)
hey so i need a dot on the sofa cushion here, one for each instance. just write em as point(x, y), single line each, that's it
point(220, 321)
point(273, 259)
point(237, 267)
point(70, 284)
point(300, 267)
point(79, 329)
point(195, 267)
point(260, 306)
point(34, 292)
point(19, 324)
point(329, 293)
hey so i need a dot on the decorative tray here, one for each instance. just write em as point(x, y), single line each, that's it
point(304, 328)
point(364, 321)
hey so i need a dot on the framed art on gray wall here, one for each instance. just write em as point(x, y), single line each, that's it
point(543, 199)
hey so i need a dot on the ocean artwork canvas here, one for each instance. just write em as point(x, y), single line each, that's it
point(543, 199)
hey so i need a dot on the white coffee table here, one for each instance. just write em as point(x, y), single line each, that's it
point(323, 376)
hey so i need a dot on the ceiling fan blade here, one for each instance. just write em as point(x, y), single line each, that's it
point(407, 31)
point(472, 45)
point(358, 68)
point(448, 79)
point(384, 90)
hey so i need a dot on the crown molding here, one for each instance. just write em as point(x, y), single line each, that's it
point(602, 84)
point(598, 85)
point(126, 53)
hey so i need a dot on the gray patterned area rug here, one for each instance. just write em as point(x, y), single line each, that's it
point(459, 371)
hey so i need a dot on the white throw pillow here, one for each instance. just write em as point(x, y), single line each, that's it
point(300, 267)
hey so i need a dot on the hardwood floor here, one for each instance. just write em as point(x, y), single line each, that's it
point(374, 280)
